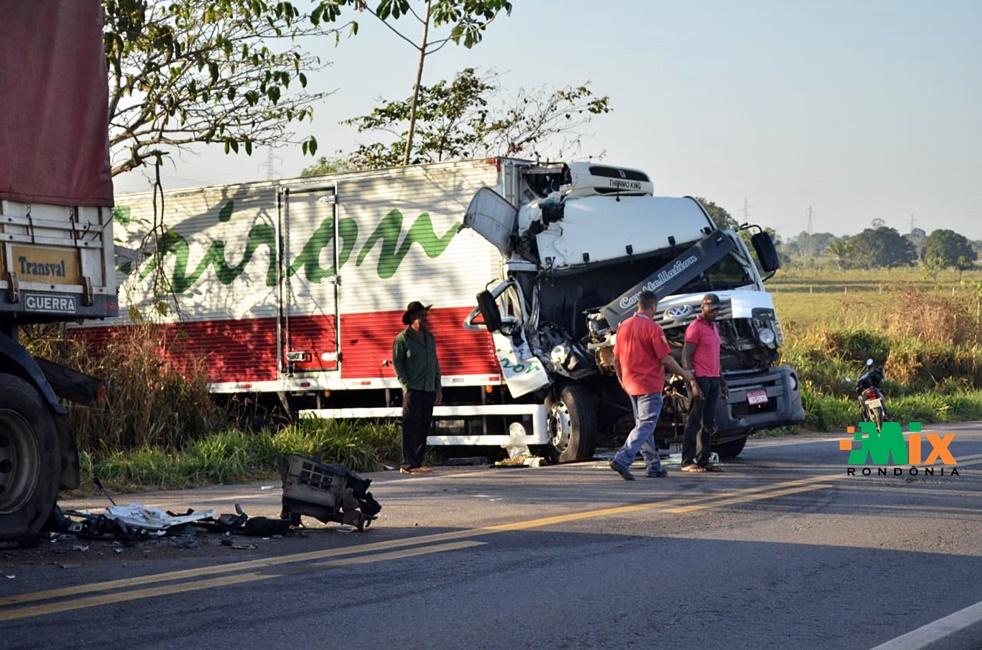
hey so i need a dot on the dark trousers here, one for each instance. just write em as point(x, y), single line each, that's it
point(417, 415)
point(697, 440)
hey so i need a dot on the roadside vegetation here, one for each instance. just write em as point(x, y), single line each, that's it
point(925, 332)
point(160, 428)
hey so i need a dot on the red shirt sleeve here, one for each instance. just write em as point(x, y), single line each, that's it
point(659, 342)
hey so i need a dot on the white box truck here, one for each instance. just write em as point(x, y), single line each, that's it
point(292, 292)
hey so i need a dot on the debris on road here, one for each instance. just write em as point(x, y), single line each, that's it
point(326, 492)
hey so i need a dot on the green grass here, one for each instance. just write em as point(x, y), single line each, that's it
point(805, 297)
point(926, 334)
point(234, 456)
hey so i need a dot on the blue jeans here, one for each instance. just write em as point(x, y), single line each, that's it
point(646, 408)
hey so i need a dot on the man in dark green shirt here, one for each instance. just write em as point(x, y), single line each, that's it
point(418, 371)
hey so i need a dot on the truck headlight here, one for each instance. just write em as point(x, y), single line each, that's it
point(766, 336)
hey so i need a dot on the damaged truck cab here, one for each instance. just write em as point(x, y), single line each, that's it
point(579, 242)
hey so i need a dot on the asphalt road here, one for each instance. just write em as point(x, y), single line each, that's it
point(783, 549)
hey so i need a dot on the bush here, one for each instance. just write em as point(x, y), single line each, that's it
point(151, 401)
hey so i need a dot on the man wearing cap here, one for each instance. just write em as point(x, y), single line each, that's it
point(641, 355)
point(700, 353)
point(418, 371)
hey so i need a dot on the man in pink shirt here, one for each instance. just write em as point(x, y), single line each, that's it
point(641, 354)
point(700, 353)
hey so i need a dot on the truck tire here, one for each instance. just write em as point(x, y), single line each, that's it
point(730, 449)
point(572, 425)
point(30, 462)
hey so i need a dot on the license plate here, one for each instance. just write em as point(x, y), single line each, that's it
point(757, 397)
point(873, 404)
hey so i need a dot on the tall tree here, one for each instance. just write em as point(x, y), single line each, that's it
point(841, 250)
point(464, 23)
point(918, 238)
point(468, 118)
point(813, 245)
point(881, 247)
point(719, 214)
point(209, 71)
point(943, 248)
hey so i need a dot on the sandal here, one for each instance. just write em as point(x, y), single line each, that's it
point(713, 468)
point(694, 468)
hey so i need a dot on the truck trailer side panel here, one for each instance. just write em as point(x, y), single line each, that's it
point(322, 308)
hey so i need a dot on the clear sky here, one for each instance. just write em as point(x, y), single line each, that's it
point(851, 110)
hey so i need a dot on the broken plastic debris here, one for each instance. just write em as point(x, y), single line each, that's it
point(152, 520)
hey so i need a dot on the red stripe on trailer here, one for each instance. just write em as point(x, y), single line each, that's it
point(244, 350)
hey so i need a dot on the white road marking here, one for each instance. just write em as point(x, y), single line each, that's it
point(933, 632)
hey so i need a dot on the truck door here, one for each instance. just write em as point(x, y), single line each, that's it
point(308, 332)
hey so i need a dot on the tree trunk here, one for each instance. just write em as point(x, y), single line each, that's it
point(419, 79)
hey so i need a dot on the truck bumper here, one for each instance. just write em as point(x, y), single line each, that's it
point(739, 417)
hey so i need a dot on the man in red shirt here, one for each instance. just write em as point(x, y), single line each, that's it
point(641, 354)
point(700, 353)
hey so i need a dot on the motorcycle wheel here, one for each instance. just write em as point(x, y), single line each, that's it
point(878, 418)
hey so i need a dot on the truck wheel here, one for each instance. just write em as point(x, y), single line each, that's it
point(572, 425)
point(30, 463)
point(730, 449)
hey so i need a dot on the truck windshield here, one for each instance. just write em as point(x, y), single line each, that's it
point(729, 273)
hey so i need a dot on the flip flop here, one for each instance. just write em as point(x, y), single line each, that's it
point(698, 469)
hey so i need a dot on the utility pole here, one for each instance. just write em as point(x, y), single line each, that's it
point(746, 211)
point(810, 214)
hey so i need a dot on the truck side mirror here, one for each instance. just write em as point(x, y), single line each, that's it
point(488, 306)
point(766, 253)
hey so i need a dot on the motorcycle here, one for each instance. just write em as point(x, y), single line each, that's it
point(872, 402)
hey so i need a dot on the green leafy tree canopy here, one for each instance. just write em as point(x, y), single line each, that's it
point(464, 23)
point(468, 118)
point(205, 71)
point(943, 248)
point(881, 247)
point(722, 218)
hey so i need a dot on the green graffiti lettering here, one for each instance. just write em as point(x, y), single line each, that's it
point(260, 234)
point(309, 257)
point(181, 280)
point(389, 229)
point(879, 446)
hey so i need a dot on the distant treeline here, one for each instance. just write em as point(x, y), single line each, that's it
point(880, 246)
